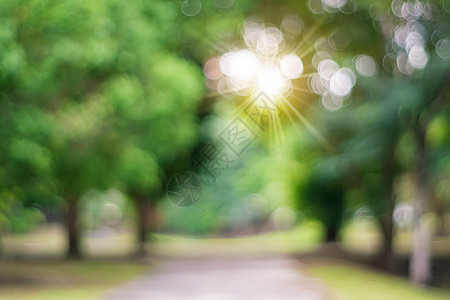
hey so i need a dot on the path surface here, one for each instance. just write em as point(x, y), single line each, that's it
point(223, 279)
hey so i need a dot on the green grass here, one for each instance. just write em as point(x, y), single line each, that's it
point(302, 238)
point(63, 280)
point(350, 282)
point(364, 237)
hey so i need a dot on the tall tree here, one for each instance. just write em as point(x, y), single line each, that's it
point(90, 68)
point(431, 93)
point(157, 126)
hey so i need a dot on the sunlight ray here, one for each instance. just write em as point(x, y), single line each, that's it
point(304, 90)
point(320, 138)
point(310, 32)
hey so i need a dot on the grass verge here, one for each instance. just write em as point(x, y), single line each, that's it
point(63, 280)
point(351, 282)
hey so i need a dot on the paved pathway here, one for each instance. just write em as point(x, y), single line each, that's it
point(223, 279)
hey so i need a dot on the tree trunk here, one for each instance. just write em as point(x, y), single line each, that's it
point(143, 207)
point(420, 266)
point(384, 257)
point(331, 234)
point(72, 229)
point(153, 222)
point(440, 211)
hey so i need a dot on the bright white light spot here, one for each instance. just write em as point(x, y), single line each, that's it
point(274, 32)
point(413, 39)
point(404, 65)
point(318, 57)
point(291, 66)
point(409, 35)
point(403, 214)
point(409, 11)
point(264, 65)
point(418, 57)
point(334, 3)
point(267, 45)
point(400, 34)
point(271, 81)
point(242, 65)
point(269, 41)
point(342, 82)
point(366, 65)
point(327, 68)
point(350, 74)
point(317, 84)
point(252, 32)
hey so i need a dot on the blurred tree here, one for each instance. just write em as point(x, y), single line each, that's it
point(385, 107)
point(371, 152)
point(156, 128)
point(431, 96)
point(102, 79)
point(438, 138)
point(323, 197)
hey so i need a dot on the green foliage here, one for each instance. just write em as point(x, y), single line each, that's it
point(16, 218)
point(91, 73)
point(92, 95)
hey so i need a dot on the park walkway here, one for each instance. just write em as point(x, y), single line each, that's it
point(223, 279)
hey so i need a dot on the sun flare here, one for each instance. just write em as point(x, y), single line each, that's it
point(261, 65)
